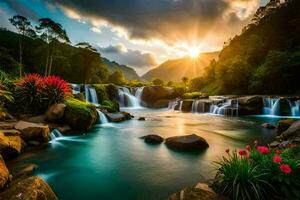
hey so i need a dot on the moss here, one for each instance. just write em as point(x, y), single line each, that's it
point(110, 106)
point(192, 95)
point(80, 96)
point(80, 115)
point(101, 92)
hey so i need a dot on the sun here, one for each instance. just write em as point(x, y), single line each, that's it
point(193, 52)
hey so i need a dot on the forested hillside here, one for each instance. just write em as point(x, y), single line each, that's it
point(264, 59)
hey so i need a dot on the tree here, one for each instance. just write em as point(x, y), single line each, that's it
point(157, 81)
point(24, 29)
point(52, 33)
point(117, 77)
point(196, 84)
point(86, 45)
point(185, 81)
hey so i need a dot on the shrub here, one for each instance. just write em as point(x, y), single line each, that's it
point(192, 95)
point(28, 91)
point(5, 96)
point(238, 178)
point(55, 90)
point(101, 92)
point(157, 81)
point(259, 170)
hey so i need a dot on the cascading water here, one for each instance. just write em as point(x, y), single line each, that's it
point(128, 100)
point(172, 104)
point(75, 88)
point(271, 106)
point(228, 108)
point(91, 95)
point(296, 108)
point(102, 118)
point(55, 134)
point(195, 106)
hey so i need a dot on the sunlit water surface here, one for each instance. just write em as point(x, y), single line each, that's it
point(111, 162)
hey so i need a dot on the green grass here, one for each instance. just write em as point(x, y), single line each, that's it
point(192, 95)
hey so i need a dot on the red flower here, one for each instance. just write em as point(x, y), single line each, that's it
point(277, 159)
point(278, 152)
point(263, 149)
point(248, 147)
point(242, 152)
point(285, 168)
point(227, 150)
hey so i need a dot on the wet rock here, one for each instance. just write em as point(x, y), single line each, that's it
point(142, 119)
point(31, 131)
point(31, 188)
point(55, 113)
point(187, 105)
point(161, 103)
point(4, 173)
point(64, 128)
point(153, 139)
point(118, 117)
point(7, 125)
point(293, 131)
point(10, 145)
point(250, 105)
point(152, 94)
point(283, 125)
point(268, 126)
point(200, 192)
point(40, 119)
point(187, 142)
point(23, 170)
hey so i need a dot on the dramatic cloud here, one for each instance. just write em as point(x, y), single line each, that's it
point(171, 21)
point(134, 58)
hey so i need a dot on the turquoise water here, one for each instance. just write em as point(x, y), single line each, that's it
point(111, 162)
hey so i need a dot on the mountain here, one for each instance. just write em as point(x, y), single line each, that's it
point(264, 58)
point(174, 70)
point(129, 73)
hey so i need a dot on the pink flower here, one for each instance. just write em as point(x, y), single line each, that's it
point(242, 152)
point(248, 147)
point(263, 149)
point(285, 168)
point(277, 159)
point(227, 150)
point(278, 152)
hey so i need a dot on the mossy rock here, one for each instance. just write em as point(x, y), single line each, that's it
point(101, 92)
point(80, 115)
point(110, 106)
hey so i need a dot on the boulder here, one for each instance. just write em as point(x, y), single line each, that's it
point(200, 192)
point(250, 105)
point(153, 139)
point(64, 128)
point(56, 113)
point(10, 144)
point(23, 170)
point(152, 94)
point(118, 117)
point(292, 131)
point(283, 125)
point(7, 125)
point(40, 119)
point(31, 188)
point(161, 103)
point(4, 173)
point(268, 126)
point(80, 115)
point(187, 142)
point(142, 119)
point(31, 131)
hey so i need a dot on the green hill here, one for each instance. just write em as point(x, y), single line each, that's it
point(174, 70)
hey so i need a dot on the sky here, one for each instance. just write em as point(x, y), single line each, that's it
point(141, 33)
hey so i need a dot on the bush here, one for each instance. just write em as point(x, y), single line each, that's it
point(192, 95)
point(55, 90)
point(157, 81)
point(110, 106)
point(28, 92)
point(5, 96)
point(259, 171)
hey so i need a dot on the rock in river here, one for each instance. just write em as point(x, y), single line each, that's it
point(292, 131)
point(31, 188)
point(153, 139)
point(31, 131)
point(268, 126)
point(187, 142)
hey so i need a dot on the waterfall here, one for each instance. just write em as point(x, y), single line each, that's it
point(229, 108)
point(295, 108)
point(172, 104)
point(91, 95)
point(127, 99)
point(55, 134)
point(195, 106)
point(180, 105)
point(102, 118)
point(75, 88)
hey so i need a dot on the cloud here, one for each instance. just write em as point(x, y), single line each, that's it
point(171, 21)
point(95, 29)
point(122, 55)
point(20, 9)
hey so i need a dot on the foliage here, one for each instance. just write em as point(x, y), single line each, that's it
point(196, 84)
point(192, 95)
point(117, 77)
point(157, 81)
point(55, 90)
point(28, 92)
point(259, 171)
point(101, 92)
point(5, 96)
point(110, 105)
